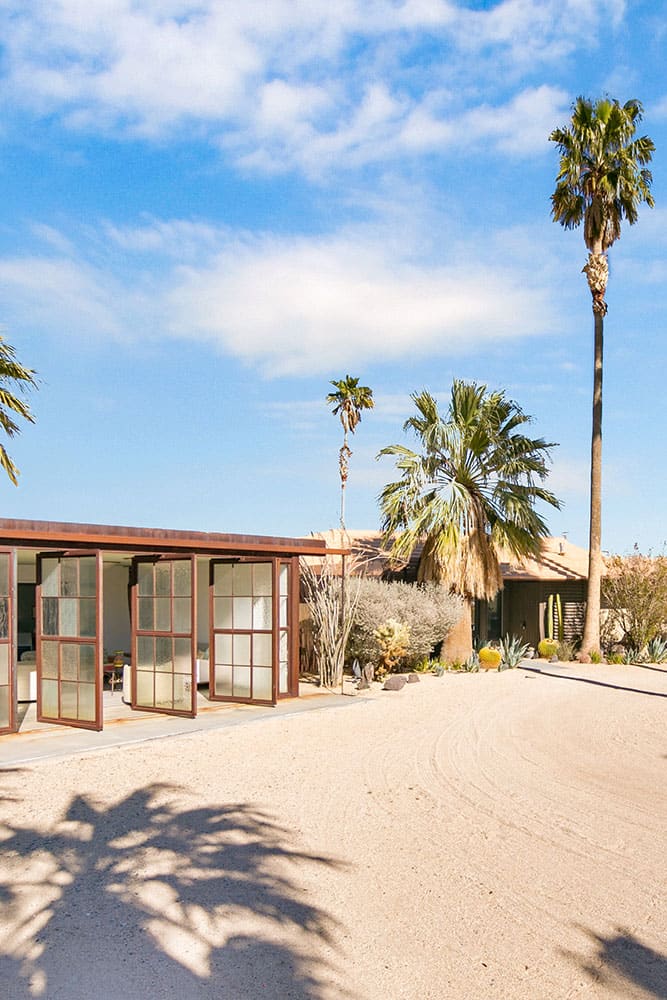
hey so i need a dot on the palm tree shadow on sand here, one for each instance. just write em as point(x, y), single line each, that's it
point(622, 962)
point(148, 898)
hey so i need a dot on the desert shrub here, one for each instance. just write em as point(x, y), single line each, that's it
point(331, 618)
point(393, 639)
point(615, 658)
point(547, 648)
point(512, 651)
point(429, 610)
point(596, 656)
point(635, 591)
point(566, 651)
point(489, 659)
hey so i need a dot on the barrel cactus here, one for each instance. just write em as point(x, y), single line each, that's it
point(547, 648)
point(489, 659)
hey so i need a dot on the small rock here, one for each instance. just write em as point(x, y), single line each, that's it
point(394, 683)
point(413, 679)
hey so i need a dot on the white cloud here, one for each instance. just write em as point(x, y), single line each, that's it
point(275, 82)
point(285, 305)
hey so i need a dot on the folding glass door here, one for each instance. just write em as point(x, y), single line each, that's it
point(250, 631)
point(69, 624)
point(163, 631)
point(7, 647)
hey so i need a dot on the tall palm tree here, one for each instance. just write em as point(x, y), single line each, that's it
point(348, 401)
point(469, 492)
point(602, 180)
point(13, 375)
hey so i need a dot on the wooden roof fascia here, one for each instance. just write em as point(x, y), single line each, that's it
point(115, 538)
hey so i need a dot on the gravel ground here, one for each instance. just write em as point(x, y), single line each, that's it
point(488, 836)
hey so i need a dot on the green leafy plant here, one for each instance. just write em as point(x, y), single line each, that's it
point(615, 658)
point(547, 648)
point(632, 655)
point(512, 651)
point(596, 656)
point(393, 639)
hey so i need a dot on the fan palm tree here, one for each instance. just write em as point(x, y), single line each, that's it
point(602, 180)
point(13, 374)
point(348, 401)
point(468, 493)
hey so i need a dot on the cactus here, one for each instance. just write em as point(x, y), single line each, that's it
point(559, 617)
point(547, 648)
point(489, 659)
point(550, 616)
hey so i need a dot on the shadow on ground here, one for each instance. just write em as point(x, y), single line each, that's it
point(149, 898)
point(625, 966)
point(589, 680)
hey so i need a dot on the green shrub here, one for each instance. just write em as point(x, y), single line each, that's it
point(547, 648)
point(596, 656)
point(615, 658)
point(565, 651)
point(489, 659)
point(657, 650)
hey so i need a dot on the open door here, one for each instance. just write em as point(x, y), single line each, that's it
point(243, 650)
point(69, 626)
point(163, 635)
point(7, 645)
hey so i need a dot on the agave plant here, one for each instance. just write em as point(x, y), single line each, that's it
point(512, 652)
point(657, 650)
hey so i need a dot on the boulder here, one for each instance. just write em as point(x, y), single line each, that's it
point(395, 682)
point(413, 678)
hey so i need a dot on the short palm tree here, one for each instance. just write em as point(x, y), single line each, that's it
point(469, 492)
point(12, 374)
point(348, 401)
point(602, 180)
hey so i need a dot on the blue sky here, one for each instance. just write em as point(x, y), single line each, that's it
point(212, 209)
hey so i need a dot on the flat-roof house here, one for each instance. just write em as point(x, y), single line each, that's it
point(167, 609)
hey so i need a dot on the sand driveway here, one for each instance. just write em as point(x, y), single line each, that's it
point(470, 837)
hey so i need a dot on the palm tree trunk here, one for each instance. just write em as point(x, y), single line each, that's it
point(591, 638)
point(343, 464)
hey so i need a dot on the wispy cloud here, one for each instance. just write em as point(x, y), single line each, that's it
point(287, 305)
point(282, 85)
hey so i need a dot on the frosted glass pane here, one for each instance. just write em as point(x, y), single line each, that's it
point(49, 577)
point(69, 700)
point(283, 685)
point(243, 612)
point(223, 680)
point(87, 702)
point(222, 579)
point(50, 699)
point(261, 612)
point(4, 663)
point(283, 611)
point(4, 707)
point(262, 583)
point(182, 578)
point(4, 617)
point(223, 649)
point(282, 655)
point(49, 659)
point(145, 687)
point(182, 696)
point(87, 617)
point(284, 580)
point(222, 612)
point(162, 614)
point(243, 579)
point(261, 650)
point(262, 683)
point(69, 578)
point(163, 654)
point(69, 662)
point(163, 579)
point(146, 613)
point(183, 656)
point(87, 576)
point(4, 573)
point(241, 647)
point(241, 682)
point(145, 578)
point(50, 615)
point(69, 624)
point(164, 696)
point(145, 652)
point(182, 614)
point(87, 663)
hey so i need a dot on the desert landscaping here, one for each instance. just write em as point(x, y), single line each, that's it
point(494, 835)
